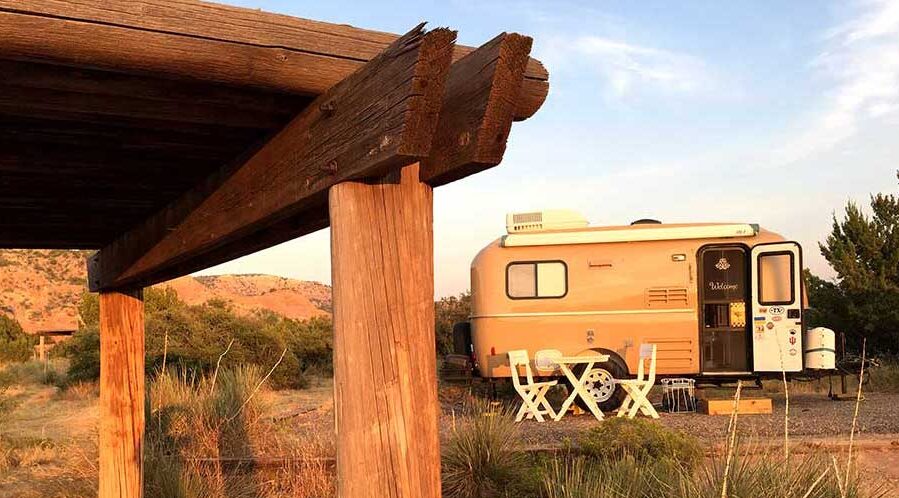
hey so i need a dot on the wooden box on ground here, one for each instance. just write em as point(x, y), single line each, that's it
point(725, 406)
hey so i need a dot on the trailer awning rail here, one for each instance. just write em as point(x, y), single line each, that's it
point(628, 234)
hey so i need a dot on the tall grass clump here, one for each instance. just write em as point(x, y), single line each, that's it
point(483, 457)
point(625, 477)
point(205, 432)
point(764, 474)
point(193, 424)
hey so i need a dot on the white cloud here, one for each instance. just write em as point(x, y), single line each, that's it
point(627, 68)
point(861, 59)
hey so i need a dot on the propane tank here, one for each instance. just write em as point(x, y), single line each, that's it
point(820, 349)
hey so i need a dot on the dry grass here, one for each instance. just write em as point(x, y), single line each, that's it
point(203, 438)
point(79, 391)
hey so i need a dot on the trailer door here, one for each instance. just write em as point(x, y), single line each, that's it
point(776, 307)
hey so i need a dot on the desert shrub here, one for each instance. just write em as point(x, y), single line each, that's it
point(885, 378)
point(15, 344)
point(641, 439)
point(193, 338)
point(447, 312)
point(35, 372)
point(83, 352)
point(483, 457)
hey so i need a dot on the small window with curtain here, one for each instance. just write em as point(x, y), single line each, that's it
point(536, 279)
point(776, 285)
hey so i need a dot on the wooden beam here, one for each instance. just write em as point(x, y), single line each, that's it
point(378, 118)
point(478, 109)
point(121, 394)
point(385, 376)
point(205, 41)
point(475, 118)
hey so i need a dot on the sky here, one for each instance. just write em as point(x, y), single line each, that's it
point(775, 113)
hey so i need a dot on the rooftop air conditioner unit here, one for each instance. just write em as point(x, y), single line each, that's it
point(539, 221)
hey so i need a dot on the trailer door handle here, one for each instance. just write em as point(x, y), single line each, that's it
point(599, 264)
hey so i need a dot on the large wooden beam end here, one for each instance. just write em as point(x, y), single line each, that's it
point(478, 109)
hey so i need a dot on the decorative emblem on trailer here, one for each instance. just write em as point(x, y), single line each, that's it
point(722, 264)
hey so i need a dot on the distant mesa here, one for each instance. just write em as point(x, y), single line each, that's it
point(42, 288)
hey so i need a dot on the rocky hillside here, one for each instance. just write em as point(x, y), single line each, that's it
point(285, 296)
point(41, 290)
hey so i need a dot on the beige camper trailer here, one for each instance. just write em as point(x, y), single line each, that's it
point(720, 300)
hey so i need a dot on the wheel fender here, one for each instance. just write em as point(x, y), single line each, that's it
point(613, 357)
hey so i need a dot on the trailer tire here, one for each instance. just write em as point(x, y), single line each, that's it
point(609, 396)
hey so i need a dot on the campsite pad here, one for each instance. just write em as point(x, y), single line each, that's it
point(810, 415)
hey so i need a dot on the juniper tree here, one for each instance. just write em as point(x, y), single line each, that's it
point(863, 250)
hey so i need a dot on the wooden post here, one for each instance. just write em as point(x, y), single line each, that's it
point(121, 394)
point(385, 377)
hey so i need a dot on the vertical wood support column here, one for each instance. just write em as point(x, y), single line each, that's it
point(121, 394)
point(385, 374)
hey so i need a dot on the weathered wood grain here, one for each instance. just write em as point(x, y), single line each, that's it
point(121, 394)
point(93, 108)
point(22, 74)
point(206, 41)
point(377, 118)
point(385, 378)
point(478, 109)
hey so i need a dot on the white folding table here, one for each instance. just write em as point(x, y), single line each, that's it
point(566, 363)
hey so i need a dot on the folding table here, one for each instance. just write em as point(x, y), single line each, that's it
point(565, 365)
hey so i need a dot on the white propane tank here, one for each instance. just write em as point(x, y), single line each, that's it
point(820, 349)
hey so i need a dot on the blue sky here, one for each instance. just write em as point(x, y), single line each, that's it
point(774, 113)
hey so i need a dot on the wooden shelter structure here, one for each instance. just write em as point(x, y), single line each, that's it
point(173, 135)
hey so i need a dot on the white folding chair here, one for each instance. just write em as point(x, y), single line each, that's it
point(533, 394)
point(638, 389)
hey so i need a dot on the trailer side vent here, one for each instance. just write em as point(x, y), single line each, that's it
point(667, 297)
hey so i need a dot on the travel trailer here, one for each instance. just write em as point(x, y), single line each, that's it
point(721, 301)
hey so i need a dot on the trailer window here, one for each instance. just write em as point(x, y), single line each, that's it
point(536, 279)
point(776, 285)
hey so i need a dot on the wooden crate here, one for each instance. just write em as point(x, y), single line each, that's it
point(748, 406)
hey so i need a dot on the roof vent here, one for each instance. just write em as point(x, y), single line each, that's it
point(538, 221)
point(646, 221)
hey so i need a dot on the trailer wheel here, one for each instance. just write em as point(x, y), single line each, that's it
point(601, 383)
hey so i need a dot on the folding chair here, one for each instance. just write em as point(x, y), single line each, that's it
point(533, 394)
point(638, 389)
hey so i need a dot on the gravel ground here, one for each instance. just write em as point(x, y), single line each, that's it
point(811, 416)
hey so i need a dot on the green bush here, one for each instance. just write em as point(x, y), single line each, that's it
point(194, 337)
point(15, 344)
point(642, 439)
